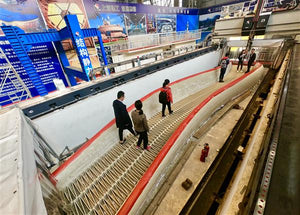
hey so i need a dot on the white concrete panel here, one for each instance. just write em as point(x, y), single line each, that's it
point(20, 187)
point(233, 23)
point(256, 43)
point(283, 29)
point(284, 17)
point(284, 22)
point(73, 124)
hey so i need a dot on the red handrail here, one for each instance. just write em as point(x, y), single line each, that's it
point(164, 151)
point(90, 141)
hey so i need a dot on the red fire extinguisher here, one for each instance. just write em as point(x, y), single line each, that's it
point(204, 152)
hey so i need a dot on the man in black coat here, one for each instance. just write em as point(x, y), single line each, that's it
point(123, 120)
point(251, 60)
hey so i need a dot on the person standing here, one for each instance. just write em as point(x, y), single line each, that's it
point(123, 120)
point(165, 97)
point(241, 58)
point(140, 124)
point(251, 60)
point(224, 63)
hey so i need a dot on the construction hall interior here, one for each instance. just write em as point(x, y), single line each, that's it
point(155, 107)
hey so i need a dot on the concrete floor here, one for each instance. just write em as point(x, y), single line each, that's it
point(194, 169)
point(284, 193)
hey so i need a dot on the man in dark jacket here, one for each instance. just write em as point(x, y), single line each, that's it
point(123, 120)
point(251, 60)
point(223, 64)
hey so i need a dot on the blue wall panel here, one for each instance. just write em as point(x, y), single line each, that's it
point(45, 61)
point(187, 22)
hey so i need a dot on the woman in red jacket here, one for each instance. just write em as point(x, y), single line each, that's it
point(169, 98)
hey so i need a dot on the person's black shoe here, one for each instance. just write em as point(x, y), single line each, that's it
point(163, 115)
point(221, 81)
point(171, 112)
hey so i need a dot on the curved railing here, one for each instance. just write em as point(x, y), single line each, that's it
point(164, 151)
point(112, 122)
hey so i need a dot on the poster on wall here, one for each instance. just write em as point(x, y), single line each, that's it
point(151, 23)
point(141, 18)
point(111, 25)
point(165, 23)
point(280, 5)
point(45, 61)
point(187, 22)
point(24, 14)
point(207, 23)
point(55, 10)
point(235, 10)
point(135, 23)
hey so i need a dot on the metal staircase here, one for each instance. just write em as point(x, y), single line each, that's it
point(12, 88)
point(12, 34)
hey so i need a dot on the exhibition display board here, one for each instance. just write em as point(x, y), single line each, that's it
point(45, 61)
point(116, 22)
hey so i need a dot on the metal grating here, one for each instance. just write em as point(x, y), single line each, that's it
point(12, 87)
point(104, 187)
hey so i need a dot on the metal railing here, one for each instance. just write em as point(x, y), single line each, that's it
point(12, 87)
point(264, 54)
point(148, 59)
point(150, 40)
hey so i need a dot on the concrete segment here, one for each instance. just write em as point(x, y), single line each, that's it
point(205, 112)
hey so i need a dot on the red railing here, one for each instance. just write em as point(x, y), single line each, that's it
point(112, 122)
point(164, 151)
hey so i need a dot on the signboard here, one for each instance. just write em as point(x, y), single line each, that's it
point(94, 6)
point(262, 24)
point(247, 26)
point(45, 61)
point(263, 21)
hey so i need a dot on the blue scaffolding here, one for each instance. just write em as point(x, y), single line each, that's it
point(21, 43)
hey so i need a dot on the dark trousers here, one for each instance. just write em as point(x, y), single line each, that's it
point(122, 128)
point(164, 107)
point(222, 73)
point(143, 136)
point(240, 63)
point(249, 66)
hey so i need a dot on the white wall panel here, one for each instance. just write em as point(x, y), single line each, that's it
point(73, 124)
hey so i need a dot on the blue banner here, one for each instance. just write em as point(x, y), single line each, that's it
point(45, 61)
point(114, 7)
point(187, 22)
